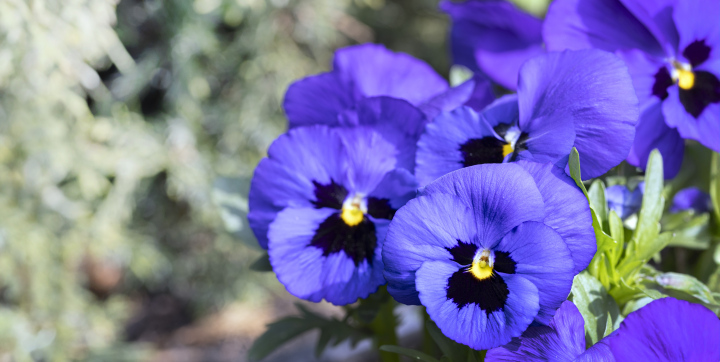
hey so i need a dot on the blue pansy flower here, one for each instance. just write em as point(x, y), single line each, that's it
point(672, 49)
point(623, 201)
point(562, 340)
point(581, 99)
point(371, 70)
point(493, 38)
point(489, 249)
point(691, 198)
point(321, 203)
point(667, 330)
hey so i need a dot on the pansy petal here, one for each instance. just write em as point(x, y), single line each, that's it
point(562, 340)
point(667, 330)
point(691, 198)
point(369, 157)
point(704, 128)
point(377, 71)
point(397, 186)
point(698, 21)
point(494, 37)
point(503, 110)
point(601, 24)
point(588, 88)
point(653, 133)
point(469, 324)
point(398, 121)
point(623, 201)
point(657, 18)
point(317, 99)
point(502, 197)
point(476, 93)
point(286, 177)
point(599, 352)
point(541, 257)
point(309, 273)
point(424, 229)
point(440, 147)
point(566, 211)
point(644, 71)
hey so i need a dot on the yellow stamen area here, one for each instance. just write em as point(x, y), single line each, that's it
point(481, 270)
point(352, 215)
point(507, 149)
point(686, 78)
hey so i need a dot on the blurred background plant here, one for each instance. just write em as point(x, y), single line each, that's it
point(128, 134)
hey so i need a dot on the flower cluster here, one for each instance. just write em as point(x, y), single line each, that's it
point(463, 203)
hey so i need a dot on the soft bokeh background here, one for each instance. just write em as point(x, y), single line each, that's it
point(127, 132)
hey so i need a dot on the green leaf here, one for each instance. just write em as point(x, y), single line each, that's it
point(262, 264)
point(685, 287)
point(574, 165)
point(413, 354)
point(277, 334)
point(617, 229)
point(689, 230)
point(647, 230)
point(451, 349)
point(596, 196)
point(332, 332)
point(597, 307)
point(715, 184)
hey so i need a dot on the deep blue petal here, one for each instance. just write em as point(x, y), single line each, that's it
point(562, 340)
point(439, 147)
point(704, 129)
point(542, 257)
point(475, 93)
point(502, 196)
point(399, 122)
point(566, 211)
point(623, 201)
point(377, 71)
point(318, 99)
point(286, 177)
point(493, 37)
point(657, 17)
point(667, 330)
point(691, 198)
point(422, 231)
point(602, 24)
point(589, 90)
point(471, 325)
point(698, 21)
point(307, 273)
point(653, 133)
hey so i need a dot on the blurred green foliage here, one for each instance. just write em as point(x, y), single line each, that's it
point(124, 125)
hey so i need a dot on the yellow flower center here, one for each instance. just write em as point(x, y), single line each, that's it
point(352, 215)
point(507, 149)
point(482, 266)
point(686, 78)
point(353, 210)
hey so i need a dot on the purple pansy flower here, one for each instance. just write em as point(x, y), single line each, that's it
point(321, 203)
point(371, 70)
point(667, 330)
point(663, 330)
point(493, 38)
point(672, 49)
point(691, 198)
point(623, 201)
point(489, 249)
point(581, 99)
point(562, 340)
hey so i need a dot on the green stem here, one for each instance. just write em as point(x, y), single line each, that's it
point(383, 327)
